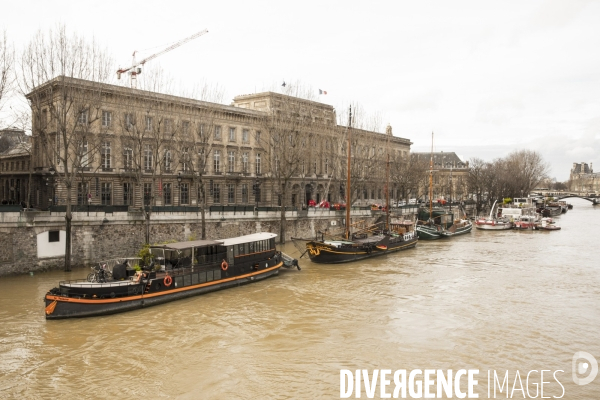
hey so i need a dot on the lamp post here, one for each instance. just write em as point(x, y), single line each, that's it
point(179, 186)
point(256, 189)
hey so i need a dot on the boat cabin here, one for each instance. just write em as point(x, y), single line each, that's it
point(201, 252)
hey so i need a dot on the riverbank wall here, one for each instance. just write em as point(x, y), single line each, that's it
point(35, 241)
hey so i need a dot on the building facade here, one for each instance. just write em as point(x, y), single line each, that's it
point(450, 176)
point(110, 145)
point(582, 179)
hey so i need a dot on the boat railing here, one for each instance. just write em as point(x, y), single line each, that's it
point(130, 261)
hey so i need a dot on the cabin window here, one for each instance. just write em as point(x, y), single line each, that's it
point(209, 276)
point(187, 280)
point(194, 279)
point(251, 247)
point(201, 277)
point(241, 249)
point(217, 274)
point(178, 281)
point(53, 236)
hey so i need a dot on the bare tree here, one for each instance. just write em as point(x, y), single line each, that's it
point(61, 75)
point(289, 136)
point(407, 173)
point(7, 60)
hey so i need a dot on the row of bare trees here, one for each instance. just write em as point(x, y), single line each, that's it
point(515, 175)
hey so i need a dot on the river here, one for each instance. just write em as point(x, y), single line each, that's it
point(491, 301)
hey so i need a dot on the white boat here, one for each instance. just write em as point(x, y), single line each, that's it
point(548, 224)
point(493, 222)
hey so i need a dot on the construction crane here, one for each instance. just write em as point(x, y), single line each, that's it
point(136, 67)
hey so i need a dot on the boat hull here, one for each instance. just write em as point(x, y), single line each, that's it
point(60, 307)
point(322, 253)
point(429, 232)
point(487, 225)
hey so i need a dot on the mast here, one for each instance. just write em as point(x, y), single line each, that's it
point(431, 180)
point(387, 193)
point(348, 200)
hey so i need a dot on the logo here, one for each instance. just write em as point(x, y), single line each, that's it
point(580, 367)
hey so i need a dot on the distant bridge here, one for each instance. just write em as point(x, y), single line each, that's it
point(594, 200)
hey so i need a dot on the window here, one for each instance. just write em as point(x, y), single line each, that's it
point(53, 236)
point(167, 161)
point(244, 193)
point(127, 193)
point(231, 193)
point(257, 165)
point(105, 155)
point(184, 193)
point(231, 161)
point(314, 167)
point(245, 162)
point(326, 166)
point(258, 138)
point(105, 193)
point(167, 194)
point(245, 134)
point(216, 193)
point(147, 193)
point(82, 193)
point(276, 162)
point(83, 117)
point(44, 119)
point(148, 123)
point(185, 127)
point(148, 157)
point(127, 157)
point(217, 161)
point(232, 134)
point(202, 133)
point(106, 119)
point(83, 152)
point(185, 160)
point(168, 126)
point(217, 133)
point(129, 121)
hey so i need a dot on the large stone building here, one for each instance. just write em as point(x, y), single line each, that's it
point(104, 144)
point(450, 176)
point(582, 179)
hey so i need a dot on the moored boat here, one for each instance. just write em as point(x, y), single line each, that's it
point(525, 222)
point(177, 270)
point(493, 222)
point(366, 244)
point(547, 224)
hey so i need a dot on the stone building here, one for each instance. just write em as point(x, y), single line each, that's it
point(15, 150)
point(582, 179)
point(114, 145)
point(450, 176)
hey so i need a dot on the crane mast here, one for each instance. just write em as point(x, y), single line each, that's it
point(136, 67)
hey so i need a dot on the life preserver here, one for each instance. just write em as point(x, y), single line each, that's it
point(224, 265)
point(167, 281)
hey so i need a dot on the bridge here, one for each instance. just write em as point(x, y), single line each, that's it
point(593, 200)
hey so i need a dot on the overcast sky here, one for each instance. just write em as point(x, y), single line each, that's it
point(486, 77)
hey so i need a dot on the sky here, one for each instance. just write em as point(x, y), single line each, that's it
point(487, 78)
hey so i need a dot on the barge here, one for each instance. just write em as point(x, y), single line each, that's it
point(178, 270)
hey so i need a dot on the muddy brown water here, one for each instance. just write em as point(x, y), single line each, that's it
point(492, 301)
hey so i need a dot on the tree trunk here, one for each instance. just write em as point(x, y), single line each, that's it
point(283, 224)
point(203, 213)
point(68, 218)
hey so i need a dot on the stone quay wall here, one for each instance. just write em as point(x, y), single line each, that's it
point(103, 236)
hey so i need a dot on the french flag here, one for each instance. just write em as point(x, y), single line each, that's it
point(322, 91)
